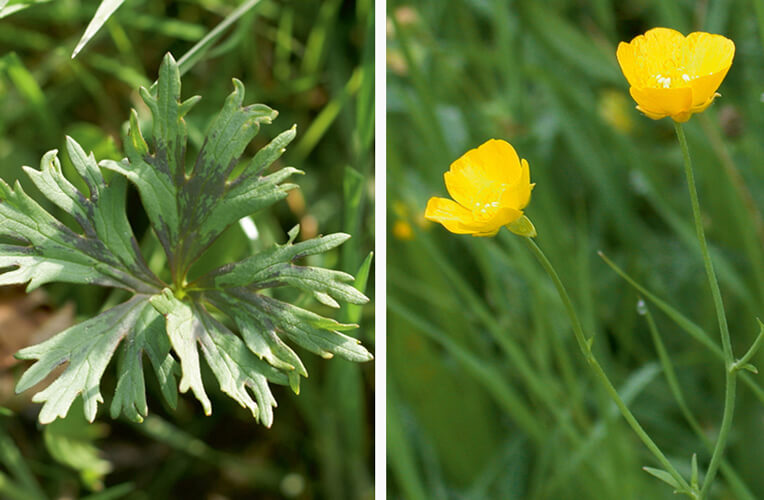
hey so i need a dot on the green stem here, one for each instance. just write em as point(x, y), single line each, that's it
point(736, 484)
point(712, 281)
point(730, 372)
point(585, 346)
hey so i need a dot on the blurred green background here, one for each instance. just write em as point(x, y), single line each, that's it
point(311, 61)
point(488, 394)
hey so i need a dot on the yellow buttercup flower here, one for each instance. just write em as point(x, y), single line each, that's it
point(673, 75)
point(490, 187)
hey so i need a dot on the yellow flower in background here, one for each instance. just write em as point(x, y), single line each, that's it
point(673, 75)
point(615, 109)
point(490, 187)
point(402, 230)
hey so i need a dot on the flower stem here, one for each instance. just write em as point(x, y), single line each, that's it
point(585, 345)
point(730, 372)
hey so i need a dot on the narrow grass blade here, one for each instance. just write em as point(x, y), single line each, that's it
point(326, 117)
point(7, 8)
point(113, 492)
point(196, 52)
point(11, 491)
point(489, 377)
point(27, 86)
point(730, 475)
point(400, 456)
point(11, 458)
point(104, 12)
point(353, 311)
point(352, 192)
point(685, 324)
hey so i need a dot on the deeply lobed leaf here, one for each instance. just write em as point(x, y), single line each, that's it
point(87, 348)
point(149, 337)
point(106, 254)
point(188, 208)
point(275, 267)
point(232, 363)
point(236, 290)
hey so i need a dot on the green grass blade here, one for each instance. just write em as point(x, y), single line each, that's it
point(11, 457)
point(104, 12)
point(487, 375)
point(400, 455)
point(198, 51)
point(685, 324)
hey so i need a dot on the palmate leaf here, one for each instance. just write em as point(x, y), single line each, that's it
point(245, 342)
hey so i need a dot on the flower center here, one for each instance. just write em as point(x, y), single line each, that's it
point(675, 78)
point(487, 202)
point(485, 206)
point(484, 211)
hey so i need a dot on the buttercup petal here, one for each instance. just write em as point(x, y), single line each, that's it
point(460, 187)
point(488, 233)
point(709, 53)
point(525, 186)
point(662, 102)
point(661, 35)
point(704, 88)
point(453, 216)
point(495, 160)
point(502, 217)
point(682, 117)
point(519, 195)
point(626, 59)
point(703, 106)
point(660, 45)
point(653, 116)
